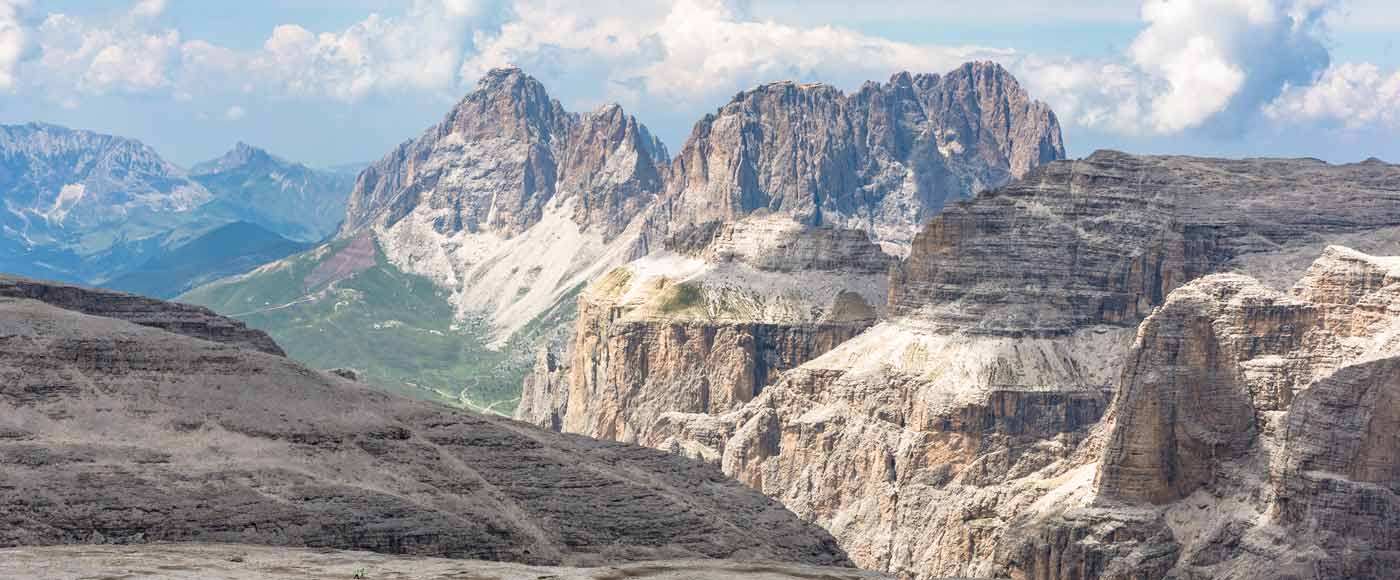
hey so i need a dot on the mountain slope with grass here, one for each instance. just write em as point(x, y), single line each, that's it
point(344, 305)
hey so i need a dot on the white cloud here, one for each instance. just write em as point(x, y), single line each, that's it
point(14, 39)
point(122, 57)
point(148, 8)
point(1348, 95)
point(234, 113)
point(420, 50)
point(1226, 56)
point(1209, 65)
point(696, 49)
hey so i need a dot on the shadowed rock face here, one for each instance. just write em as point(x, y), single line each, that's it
point(503, 154)
point(243, 562)
point(113, 432)
point(1105, 239)
point(193, 321)
point(883, 159)
point(986, 400)
point(1254, 433)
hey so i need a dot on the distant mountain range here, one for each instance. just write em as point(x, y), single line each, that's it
point(497, 217)
point(85, 207)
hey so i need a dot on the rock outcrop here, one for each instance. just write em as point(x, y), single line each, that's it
point(511, 202)
point(244, 562)
point(503, 155)
point(777, 223)
point(883, 159)
point(705, 333)
point(979, 406)
point(192, 321)
point(1253, 433)
point(117, 433)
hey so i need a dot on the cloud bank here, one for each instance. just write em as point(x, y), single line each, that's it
point(1214, 67)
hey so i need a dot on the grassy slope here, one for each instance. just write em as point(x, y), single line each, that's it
point(395, 328)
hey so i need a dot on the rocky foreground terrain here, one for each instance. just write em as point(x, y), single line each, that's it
point(125, 420)
point(1020, 410)
point(244, 562)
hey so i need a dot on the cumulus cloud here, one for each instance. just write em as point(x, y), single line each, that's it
point(421, 50)
point(1349, 95)
point(119, 58)
point(1197, 65)
point(696, 49)
point(148, 8)
point(1210, 64)
point(1226, 56)
point(234, 113)
point(14, 39)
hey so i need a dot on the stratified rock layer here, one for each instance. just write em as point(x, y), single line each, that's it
point(112, 432)
point(883, 159)
point(980, 407)
point(705, 334)
point(1254, 434)
point(193, 321)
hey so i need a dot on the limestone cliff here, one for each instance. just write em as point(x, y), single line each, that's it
point(765, 231)
point(1254, 433)
point(978, 403)
point(883, 159)
point(707, 332)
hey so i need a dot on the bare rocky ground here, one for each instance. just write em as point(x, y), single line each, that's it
point(118, 432)
point(243, 562)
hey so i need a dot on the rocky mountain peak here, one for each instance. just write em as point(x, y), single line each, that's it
point(509, 102)
point(506, 153)
point(883, 159)
point(242, 155)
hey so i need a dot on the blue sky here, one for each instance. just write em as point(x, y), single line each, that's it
point(341, 81)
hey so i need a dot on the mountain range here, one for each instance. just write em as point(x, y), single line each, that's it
point(508, 207)
point(98, 209)
point(892, 327)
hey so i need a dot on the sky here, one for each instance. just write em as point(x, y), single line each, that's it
point(331, 82)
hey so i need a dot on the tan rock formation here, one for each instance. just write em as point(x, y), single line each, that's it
point(930, 443)
point(883, 159)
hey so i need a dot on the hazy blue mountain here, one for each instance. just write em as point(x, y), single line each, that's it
point(289, 198)
point(86, 207)
point(81, 206)
point(229, 249)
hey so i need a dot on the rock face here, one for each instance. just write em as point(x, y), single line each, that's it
point(192, 321)
point(883, 160)
point(706, 333)
point(116, 433)
point(243, 562)
point(1253, 431)
point(503, 154)
point(511, 202)
point(947, 438)
point(774, 218)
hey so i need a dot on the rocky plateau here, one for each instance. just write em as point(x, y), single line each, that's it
point(979, 427)
point(125, 421)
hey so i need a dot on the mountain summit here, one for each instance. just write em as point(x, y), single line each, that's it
point(511, 205)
